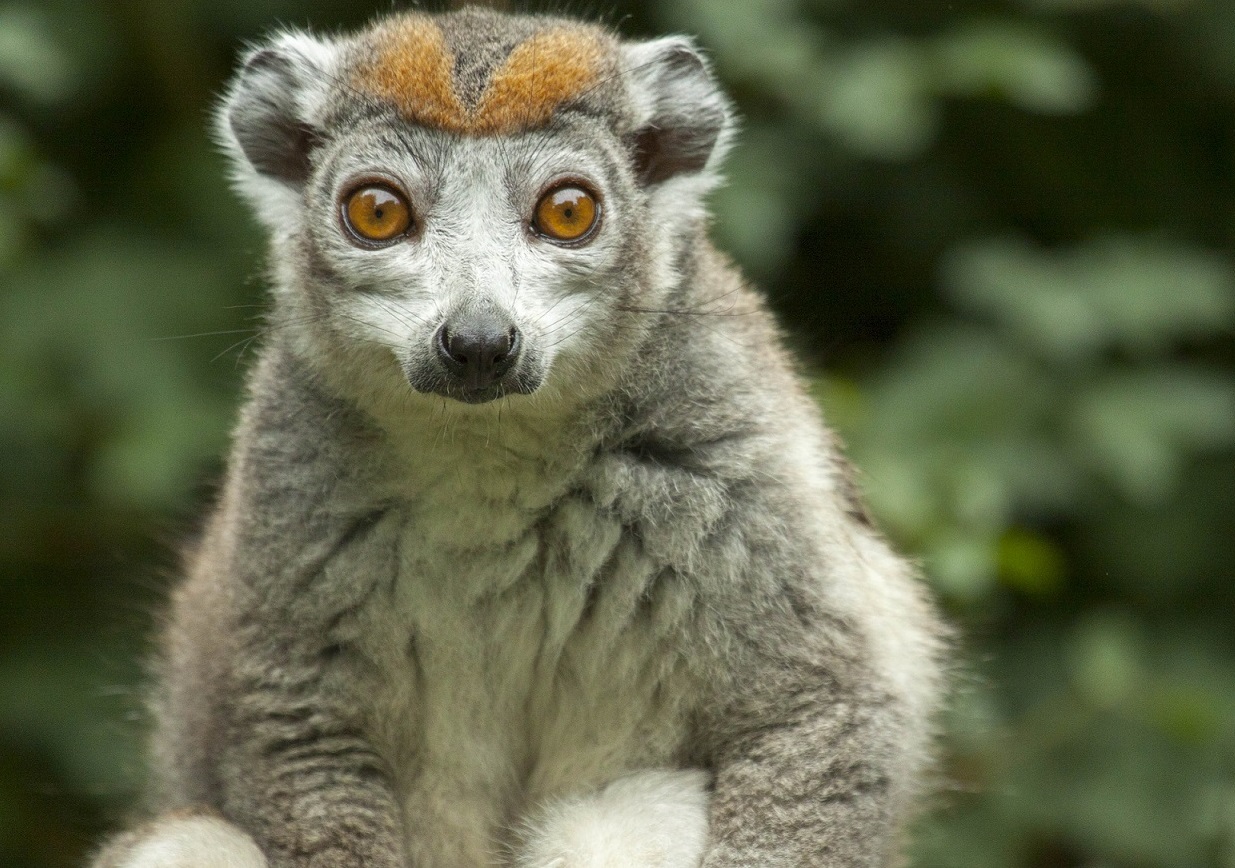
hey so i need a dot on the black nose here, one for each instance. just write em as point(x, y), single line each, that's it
point(478, 352)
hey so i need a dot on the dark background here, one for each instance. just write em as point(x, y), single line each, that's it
point(1001, 234)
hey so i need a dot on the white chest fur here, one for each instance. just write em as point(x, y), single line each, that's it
point(526, 647)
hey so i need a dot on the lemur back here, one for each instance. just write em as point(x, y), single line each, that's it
point(533, 550)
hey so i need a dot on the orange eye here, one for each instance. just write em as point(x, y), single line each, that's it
point(377, 213)
point(566, 214)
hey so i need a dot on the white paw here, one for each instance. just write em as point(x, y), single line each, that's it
point(652, 819)
point(193, 842)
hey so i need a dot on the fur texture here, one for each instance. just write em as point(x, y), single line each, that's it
point(620, 608)
point(412, 65)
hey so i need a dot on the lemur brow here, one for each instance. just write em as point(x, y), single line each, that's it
point(413, 67)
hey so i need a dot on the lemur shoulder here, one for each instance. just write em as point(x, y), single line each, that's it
point(533, 550)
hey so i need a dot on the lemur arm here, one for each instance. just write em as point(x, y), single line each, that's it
point(284, 698)
point(302, 776)
point(814, 789)
point(805, 717)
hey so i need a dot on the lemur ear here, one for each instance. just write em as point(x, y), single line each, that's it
point(270, 116)
point(684, 116)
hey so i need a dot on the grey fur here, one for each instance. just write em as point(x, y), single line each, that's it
point(564, 629)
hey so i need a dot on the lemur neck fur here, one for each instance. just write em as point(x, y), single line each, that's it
point(518, 448)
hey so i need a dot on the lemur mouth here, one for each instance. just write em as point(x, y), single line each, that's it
point(520, 381)
point(475, 396)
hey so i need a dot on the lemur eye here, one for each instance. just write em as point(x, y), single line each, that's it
point(566, 213)
point(377, 213)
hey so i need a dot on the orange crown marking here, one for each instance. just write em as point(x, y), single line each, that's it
point(539, 75)
point(413, 70)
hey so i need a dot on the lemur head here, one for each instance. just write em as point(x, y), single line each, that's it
point(474, 205)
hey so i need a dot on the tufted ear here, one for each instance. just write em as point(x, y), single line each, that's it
point(270, 118)
point(684, 118)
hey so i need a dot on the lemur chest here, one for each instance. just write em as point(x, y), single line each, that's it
point(542, 649)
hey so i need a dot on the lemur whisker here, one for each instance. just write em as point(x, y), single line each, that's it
point(197, 335)
point(260, 332)
point(568, 318)
point(403, 315)
point(243, 344)
point(539, 318)
point(367, 324)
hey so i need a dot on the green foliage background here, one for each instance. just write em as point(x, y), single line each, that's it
point(1001, 232)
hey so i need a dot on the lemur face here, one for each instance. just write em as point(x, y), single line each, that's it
point(509, 255)
point(490, 203)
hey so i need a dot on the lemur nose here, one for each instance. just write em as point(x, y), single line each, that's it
point(478, 352)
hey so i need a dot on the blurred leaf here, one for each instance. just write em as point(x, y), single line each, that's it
point(1140, 294)
point(878, 100)
point(957, 385)
point(963, 566)
point(1170, 551)
point(965, 420)
point(1029, 67)
point(31, 190)
point(1130, 795)
point(30, 60)
point(1140, 427)
point(757, 210)
point(765, 40)
point(1029, 562)
point(1187, 713)
point(1106, 659)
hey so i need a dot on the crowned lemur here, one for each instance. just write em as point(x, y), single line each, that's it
point(533, 550)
